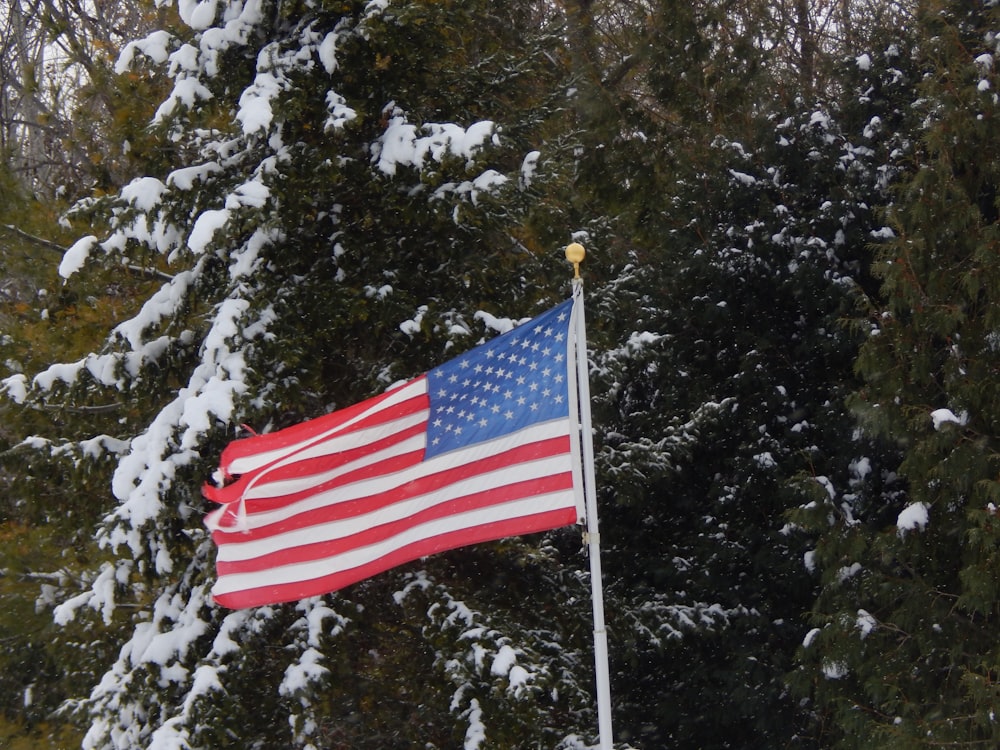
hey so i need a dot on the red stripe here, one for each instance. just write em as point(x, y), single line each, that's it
point(393, 464)
point(311, 429)
point(309, 467)
point(331, 547)
point(289, 592)
point(423, 485)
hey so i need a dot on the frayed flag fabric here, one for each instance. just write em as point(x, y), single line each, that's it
point(483, 447)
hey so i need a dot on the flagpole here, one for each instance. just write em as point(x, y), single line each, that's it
point(575, 254)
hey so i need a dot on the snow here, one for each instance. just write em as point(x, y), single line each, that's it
point(743, 178)
point(518, 679)
point(185, 177)
point(941, 417)
point(184, 60)
point(848, 571)
point(340, 113)
point(493, 323)
point(16, 388)
point(834, 670)
point(328, 52)
point(866, 623)
point(864, 61)
point(256, 111)
point(300, 675)
point(405, 144)
point(810, 637)
point(412, 327)
point(187, 92)
point(913, 517)
point(809, 560)
point(252, 194)
point(205, 227)
point(529, 167)
point(155, 47)
point(76, 256)
point(475, 734)
point(58, 373)
point(861, 468)
point(198, 14)
point(505, 658)
point(765, 460)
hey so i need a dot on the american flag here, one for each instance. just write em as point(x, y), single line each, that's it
point(480, 448)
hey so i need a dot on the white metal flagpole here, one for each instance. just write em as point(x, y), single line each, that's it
point(575, 255)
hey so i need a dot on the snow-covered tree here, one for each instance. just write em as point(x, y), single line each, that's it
point(344, 208)
point(741, 244)
point(904, 651)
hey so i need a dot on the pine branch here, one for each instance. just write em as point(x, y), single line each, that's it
point(151, 273)
point(34, 239)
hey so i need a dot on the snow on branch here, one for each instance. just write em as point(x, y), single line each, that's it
point(408, 145)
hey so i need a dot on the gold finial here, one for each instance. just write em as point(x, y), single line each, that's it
point(575, 255)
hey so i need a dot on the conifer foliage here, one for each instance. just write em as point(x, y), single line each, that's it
point(338, 216)
point(795, 339)
point(904, 653)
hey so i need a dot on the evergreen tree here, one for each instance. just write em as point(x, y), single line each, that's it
point(723, 369)
point(346, 195)
point(904, 653)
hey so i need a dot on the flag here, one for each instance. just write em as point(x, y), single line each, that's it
point(480, 448)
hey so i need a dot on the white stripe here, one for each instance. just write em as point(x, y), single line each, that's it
point(354, 558)
point(243, 464)
point(234, 550)
point(389, 482)
point(281, 487)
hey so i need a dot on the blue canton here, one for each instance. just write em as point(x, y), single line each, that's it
point(515, 380)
